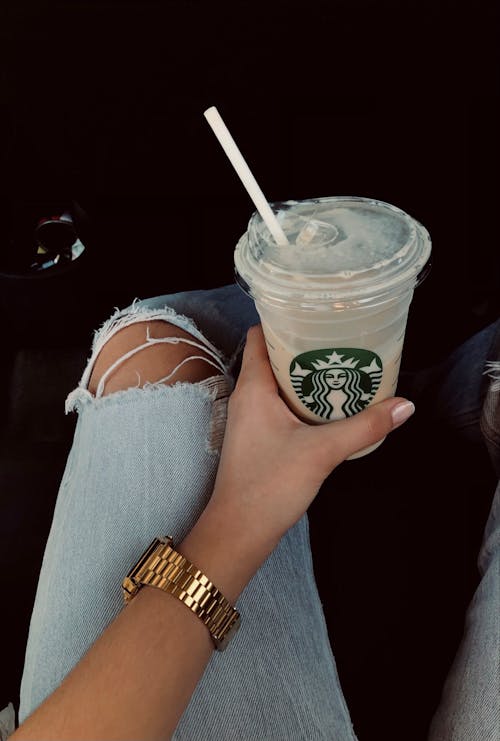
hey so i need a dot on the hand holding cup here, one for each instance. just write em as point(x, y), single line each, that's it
point(272, 464)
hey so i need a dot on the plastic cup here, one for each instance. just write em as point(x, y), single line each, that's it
point(334, 303)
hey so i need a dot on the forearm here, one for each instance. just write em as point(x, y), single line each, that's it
point(137, 679)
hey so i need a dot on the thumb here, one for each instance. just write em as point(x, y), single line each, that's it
point(342, 438)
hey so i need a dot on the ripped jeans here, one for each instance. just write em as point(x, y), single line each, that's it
point(143, 463)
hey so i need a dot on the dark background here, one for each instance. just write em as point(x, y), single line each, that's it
point(102, 103)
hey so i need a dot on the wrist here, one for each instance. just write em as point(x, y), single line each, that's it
point(227, 551)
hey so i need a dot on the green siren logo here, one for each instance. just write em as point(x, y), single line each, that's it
point(336, 383)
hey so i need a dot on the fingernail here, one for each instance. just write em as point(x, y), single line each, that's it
point(401, 412)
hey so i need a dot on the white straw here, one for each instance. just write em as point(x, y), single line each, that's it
point(236, 158)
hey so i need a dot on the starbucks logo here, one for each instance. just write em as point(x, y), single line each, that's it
point(336, 383)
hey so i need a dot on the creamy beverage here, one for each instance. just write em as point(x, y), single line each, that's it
point(334, 302)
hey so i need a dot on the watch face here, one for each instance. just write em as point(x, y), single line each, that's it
point(147, 553)
point(129, 588)
point(131, 584)
point(223, 643)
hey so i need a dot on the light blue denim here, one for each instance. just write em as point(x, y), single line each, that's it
point(143, 463)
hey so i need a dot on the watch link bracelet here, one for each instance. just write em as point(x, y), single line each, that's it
point(161, 566)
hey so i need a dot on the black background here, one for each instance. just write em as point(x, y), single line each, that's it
point(372, 99)
point(103, 102)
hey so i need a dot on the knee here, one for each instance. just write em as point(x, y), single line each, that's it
point(151, 363)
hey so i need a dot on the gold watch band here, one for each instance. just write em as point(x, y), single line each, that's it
point(162, 567)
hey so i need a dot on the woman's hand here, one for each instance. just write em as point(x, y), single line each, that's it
point(272, 464)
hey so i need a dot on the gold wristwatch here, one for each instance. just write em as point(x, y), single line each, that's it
point(160, 566)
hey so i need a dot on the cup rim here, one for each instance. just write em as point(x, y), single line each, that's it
point(280, 285)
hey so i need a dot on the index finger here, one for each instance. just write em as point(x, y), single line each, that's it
point(255, 364)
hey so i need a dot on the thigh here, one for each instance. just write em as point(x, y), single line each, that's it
point(140, 466)
point(470, 705)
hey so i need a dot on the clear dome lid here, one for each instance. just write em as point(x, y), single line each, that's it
point(341, 248)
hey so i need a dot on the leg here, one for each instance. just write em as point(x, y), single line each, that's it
point(97, 494)
point(470, 705)
point(143, 462)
